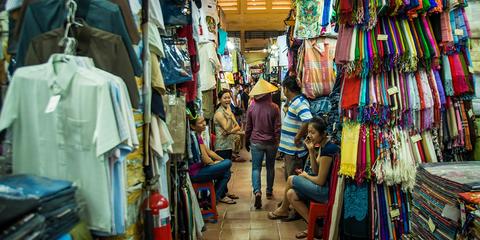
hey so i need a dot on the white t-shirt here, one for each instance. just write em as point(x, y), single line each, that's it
point(205, 21)
point(209, 65)
point(155, 14)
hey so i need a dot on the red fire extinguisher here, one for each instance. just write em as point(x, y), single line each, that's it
point(161, 217)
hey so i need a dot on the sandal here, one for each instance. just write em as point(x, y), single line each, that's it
point(301, 235)
point(232, 196)
point(273, 216)
point(227, 200)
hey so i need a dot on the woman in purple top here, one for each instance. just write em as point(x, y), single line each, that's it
point(210, 166)
point(263, 135)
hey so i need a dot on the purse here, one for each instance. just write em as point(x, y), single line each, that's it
point(176, 67)
point(176, 120)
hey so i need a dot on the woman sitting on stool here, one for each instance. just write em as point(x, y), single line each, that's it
point(207, 165)
point(312, 184)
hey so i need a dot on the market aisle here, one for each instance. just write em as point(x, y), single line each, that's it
point(242, 221)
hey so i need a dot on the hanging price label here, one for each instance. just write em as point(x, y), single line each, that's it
point(392, 90)
point(470, 113)
point(382, 37)
point(395, 213)
point(171, 100)
point(459, 32)
point(416, 138)
point(431, 225)
point(52, 104)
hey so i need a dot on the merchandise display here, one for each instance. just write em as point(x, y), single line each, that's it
point(133, 119)
point(435, 210)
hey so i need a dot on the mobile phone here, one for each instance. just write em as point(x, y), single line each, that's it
point(298, 171)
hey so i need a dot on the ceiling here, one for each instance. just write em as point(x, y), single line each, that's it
point(255, 21)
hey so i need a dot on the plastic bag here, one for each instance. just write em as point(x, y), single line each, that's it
point(175, 66)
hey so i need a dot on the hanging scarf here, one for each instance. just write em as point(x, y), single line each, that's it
point(351, 92)
point(447, 76)
point(342, 50)
point(460, 141)
point(468, 78)
point(423, 42)
point(436, 96)
point(349, 149)
point(463, 115)
point(361, 158)
point(460, 86)
point(447, 33)
point(416, 41)
point(441, 90)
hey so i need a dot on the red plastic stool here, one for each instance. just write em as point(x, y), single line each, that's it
point(317, 210)
point(211, 213)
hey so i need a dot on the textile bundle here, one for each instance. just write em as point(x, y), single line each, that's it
point(470, 215)
point(435, 212)
point(36, 207)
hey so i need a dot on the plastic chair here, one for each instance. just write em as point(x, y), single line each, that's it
point(323, 210)
point(211, 212)
point(317, 210)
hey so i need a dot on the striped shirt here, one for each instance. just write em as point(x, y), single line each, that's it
point(298, 113)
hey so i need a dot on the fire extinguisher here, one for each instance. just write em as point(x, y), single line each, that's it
point(161, 217)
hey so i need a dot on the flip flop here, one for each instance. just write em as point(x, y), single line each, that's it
point(227, 200)
point(301, 235)
point(273, 216)
point(232, 196)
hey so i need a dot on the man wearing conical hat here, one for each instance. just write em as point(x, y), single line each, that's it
point(263, 136)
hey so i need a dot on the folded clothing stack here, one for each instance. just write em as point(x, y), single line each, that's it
point(470, 207)
point(36, 207)
point(435, 211)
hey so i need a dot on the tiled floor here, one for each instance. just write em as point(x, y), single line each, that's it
point(242, 221)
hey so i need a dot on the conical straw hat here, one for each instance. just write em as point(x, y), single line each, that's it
point(262, 87)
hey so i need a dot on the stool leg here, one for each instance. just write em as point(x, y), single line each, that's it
point(312, 220)
point(214, 201)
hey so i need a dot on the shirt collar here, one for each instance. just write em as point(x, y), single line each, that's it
point(60, 74)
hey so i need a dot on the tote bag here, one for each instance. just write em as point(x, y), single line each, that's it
point(318, 73)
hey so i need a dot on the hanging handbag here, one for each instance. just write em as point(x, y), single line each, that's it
point(176, 121)
point(173, 12)
point(318, 70)
point(175, 66)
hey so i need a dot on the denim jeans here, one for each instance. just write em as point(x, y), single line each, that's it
point(259, 152)
point(219, 172)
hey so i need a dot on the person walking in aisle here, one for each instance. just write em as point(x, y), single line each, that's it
point(294, 127)
point(262, 136)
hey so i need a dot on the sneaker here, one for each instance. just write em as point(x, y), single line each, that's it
point(258, 200)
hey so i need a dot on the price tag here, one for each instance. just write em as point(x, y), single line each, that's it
point(382, 37)
point(459, 32)
point(470, 69)
point(431, 225)
point(395, 213)
point(172, 100)
point(52, 104)
point(470, 113)
point(416, 138)
point(392, 90)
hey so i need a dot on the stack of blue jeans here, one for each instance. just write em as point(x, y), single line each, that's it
point(41, 208)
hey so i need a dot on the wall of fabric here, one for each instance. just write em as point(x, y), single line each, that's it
point(406, 90)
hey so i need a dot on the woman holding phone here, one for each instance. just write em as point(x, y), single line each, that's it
point(311, 184)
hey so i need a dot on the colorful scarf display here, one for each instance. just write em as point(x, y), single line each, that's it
point(406, 88)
